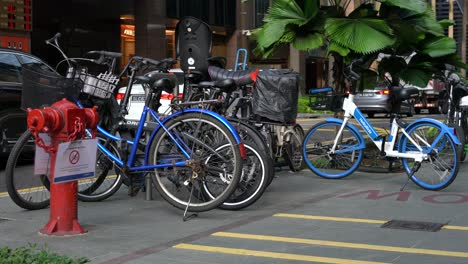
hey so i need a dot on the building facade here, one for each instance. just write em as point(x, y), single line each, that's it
point(147, 28)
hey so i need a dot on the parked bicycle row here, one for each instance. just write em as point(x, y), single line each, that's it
point(220, 141)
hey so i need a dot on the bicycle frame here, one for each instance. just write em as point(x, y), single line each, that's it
point(351, 110)
point(145, 167)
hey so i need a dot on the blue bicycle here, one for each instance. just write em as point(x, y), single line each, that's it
point(193, 156)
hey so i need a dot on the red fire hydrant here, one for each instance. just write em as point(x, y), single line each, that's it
point(63, 121)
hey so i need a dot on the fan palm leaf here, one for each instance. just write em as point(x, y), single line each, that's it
point(417, 6)
point(308, 41)
point(364, 36)
point(440, 46)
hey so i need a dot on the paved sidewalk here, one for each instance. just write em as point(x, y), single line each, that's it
point(132, 230)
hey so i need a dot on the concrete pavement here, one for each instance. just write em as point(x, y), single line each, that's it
point(301, 218)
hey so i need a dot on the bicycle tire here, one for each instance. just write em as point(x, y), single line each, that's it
point(461, 136)
point(292, 153)
point(319, 141)
point(103, 185)
point(464, 127)
point(225, 173)
point(34, 197)
point(443, 160)
point(86, 187)
point(257, 171)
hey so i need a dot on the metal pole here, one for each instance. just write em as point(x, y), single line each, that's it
point(148, 181)
point(464, 35)
point(450, 29)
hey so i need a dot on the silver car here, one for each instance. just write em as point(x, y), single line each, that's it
point(377, 101)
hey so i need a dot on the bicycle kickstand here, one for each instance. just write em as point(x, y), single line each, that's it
point(416, 167)
point(188, 217)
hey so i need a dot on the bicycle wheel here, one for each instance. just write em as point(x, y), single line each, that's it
point(461, 136)
point(27, 190)
point(464, 128)
point(292, 149)
point(32, 192)
point(317, 145)
point(200, 135)
point(441, 167)
point(107, 179)
point(257, 170)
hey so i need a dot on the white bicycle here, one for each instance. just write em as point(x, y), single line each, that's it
point(427, 148)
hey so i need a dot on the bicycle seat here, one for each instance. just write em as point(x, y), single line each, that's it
point(226, 85)
point(401, 93)
point(459, 91)
point(164, 84)
point(158, 81)
point(239, 77)
point(144, 79)
point(194, 76)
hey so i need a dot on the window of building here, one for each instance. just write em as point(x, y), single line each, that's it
point(261, 8)
point(215, 12)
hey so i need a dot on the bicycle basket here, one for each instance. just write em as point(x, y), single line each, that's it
point(326, 101)
point(43, 87)
point(101, 86)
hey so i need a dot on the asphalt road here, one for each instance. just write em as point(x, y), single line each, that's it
point(380, 122)
point(301, 218)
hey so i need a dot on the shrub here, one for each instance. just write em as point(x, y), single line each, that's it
point(34, 255)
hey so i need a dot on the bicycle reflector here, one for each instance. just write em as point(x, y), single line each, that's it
point(119, 96)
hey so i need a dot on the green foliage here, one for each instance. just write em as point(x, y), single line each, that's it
point(33, 255)
point(439, 47)
point(303, 105)
point(356, 33)
point(413, 5)
point(400, 29)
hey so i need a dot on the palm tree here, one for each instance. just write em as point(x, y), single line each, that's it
point(400, 28)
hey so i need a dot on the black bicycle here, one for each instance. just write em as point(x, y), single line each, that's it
point(455, 107)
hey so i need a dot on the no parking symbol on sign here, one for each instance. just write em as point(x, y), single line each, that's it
point(75, 160)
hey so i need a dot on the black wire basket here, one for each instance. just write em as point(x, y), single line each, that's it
point(101, 86)
point(43, 87)
point(327, 101)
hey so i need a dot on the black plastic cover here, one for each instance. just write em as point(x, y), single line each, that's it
point(193, 44)
point(276, 94)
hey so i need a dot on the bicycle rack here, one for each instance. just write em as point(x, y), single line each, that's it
point(244, 63)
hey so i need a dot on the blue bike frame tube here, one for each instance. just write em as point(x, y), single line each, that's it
point(161, 125)
point(178, 138)
point(193, 110)
point(365, 124)
point(139, 131)
point(110, 155)
point(159, 166)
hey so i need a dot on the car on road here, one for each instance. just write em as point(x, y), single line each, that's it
point(12, 118)
point(377, 101)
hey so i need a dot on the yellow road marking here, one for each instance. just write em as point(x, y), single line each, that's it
point(269, 254)
point(461, 228)
point(39, 188)
point(355, 220)
point(344, 244)
point(329, 218)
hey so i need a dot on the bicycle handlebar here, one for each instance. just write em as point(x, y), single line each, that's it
point(106, 53)
point(54, 38)
point(354, 75)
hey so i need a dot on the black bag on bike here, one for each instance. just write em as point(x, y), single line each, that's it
point(275, 95)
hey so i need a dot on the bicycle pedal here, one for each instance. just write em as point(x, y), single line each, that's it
point(133, 190)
